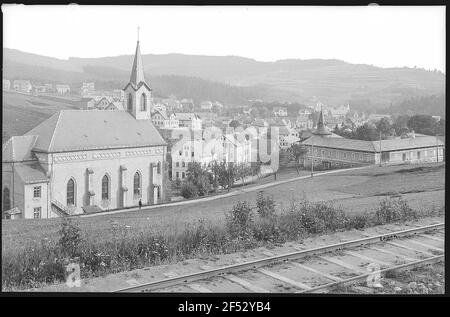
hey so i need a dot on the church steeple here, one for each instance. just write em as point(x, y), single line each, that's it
point(138, 94)
point(137, 71)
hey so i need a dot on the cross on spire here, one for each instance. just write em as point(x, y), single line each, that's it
point(138, 33)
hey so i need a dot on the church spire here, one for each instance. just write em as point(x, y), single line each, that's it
point(137, 71)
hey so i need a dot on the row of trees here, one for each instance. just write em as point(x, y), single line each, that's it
point(200, 181)
point(388, 127)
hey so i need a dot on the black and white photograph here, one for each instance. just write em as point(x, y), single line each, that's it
point(220, 149)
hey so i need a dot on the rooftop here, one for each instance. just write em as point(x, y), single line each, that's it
point(77, 130)
point(31, 173)
point(373, 146)
point(18, 148)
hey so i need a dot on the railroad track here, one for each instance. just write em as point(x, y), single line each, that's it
point(315, 270)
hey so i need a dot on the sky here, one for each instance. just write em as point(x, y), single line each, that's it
point(376, 35)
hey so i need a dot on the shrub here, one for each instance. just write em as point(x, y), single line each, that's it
point(265, 205)
point(189, 190)
point(359, 221)
point(394, 209)
point(239, 219)
point(70, 240)
point(267, 230)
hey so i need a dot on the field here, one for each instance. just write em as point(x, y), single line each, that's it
point(22, 113)
point(357, 191)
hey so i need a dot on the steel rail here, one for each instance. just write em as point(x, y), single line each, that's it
point(191, 277)
point(359, 278)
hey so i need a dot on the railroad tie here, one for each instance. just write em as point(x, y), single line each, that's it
point(398, 245)
point(404, 257)
point(431, 237)
point(245, 284)
point(284, 279)
point(425, 245)
point(331, 277)
point(199, 288)
point(367, 258)
point(343, 264)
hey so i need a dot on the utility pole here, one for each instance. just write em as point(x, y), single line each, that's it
point(380, 148)
point(437, 148)
point(312, 160)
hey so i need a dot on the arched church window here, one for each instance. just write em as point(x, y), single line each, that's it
point(71, 192)
point(105, 187)
point(130, 102)
point(6, 199)
point(137, 184)
point(143, 102)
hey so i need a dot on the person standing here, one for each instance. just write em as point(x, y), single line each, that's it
point(140, 204)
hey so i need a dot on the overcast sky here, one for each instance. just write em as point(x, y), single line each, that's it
point(381, 36)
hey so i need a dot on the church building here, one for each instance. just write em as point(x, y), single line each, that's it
point(83, 161)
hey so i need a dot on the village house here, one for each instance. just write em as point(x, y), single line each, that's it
point(304, 122)
point(208, 118)
point(280, 111)
point(87, 103)
point(22, 85)
point(62, 89)
point(205, 151)
point(328, 150)
point(160, 107)
point(158, 118)
point(206, 105)
point(187, 104)
point(87, 89)
point(48, 88)
point(172, 103)
point(80, 161)
point(306, 112)
point(38, 89)
point(189, 120)
point(115, 106)
point(6, 84)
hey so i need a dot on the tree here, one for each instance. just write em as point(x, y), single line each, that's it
point(296, 152)
point(189, 190)
point(227, 175)
point(234, 124)
point(198, 177)
point(423, 124)
point(367, 132)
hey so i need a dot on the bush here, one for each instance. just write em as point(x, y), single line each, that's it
point(70, 240)
point(239, 219)
point(265, 205)
point(189, 190)
point(393, 209)
point(359, 221)
point(267, 230)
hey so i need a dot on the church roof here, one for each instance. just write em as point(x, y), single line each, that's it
point(77, 130)
point(18, 149)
